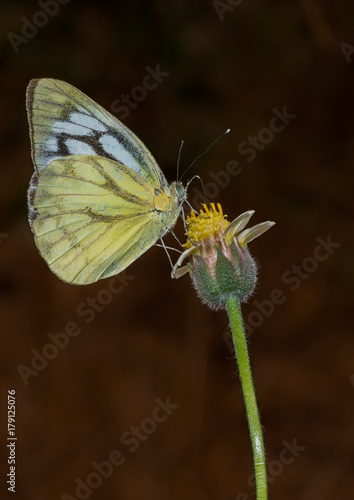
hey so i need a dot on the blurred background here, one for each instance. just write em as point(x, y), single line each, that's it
point(280, 75)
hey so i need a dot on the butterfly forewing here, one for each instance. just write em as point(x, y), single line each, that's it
point(64, 121)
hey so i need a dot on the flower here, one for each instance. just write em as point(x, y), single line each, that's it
point(220, 263)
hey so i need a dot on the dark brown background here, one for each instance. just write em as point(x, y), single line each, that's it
point(155, 339)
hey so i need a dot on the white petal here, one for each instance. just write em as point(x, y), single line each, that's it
point(237, 225)
point(253, 232)
point(176, 273)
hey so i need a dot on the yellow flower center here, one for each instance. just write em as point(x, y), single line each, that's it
point(205, 225)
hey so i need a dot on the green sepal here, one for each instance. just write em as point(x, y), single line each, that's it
point(205, 284)
point(226, 275)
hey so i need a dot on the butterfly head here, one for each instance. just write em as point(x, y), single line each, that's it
point(181, 192)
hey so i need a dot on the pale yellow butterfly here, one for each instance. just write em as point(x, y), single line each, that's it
point(97, 199)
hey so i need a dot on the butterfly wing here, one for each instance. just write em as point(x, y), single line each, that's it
point(92, 219)
point(64, 121)
point(97, 199)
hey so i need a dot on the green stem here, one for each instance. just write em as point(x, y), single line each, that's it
point(239, 338)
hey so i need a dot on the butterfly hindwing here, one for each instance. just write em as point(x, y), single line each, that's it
point(90, 218)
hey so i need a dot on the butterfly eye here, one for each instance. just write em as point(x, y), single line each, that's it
point(180, 190)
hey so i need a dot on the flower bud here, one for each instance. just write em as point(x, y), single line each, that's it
point(220, 263)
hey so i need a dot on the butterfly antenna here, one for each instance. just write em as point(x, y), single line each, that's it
point(179, 158)
point(205, 151)
point(202, 183)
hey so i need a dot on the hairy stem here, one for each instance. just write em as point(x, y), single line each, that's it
point(239, 339)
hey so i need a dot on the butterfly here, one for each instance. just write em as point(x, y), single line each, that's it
point(97, 199)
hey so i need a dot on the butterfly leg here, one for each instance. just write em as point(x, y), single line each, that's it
point(166, 248)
